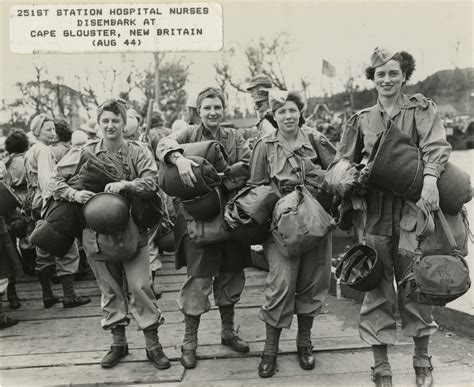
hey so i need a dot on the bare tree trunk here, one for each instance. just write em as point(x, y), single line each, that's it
point(157, 80)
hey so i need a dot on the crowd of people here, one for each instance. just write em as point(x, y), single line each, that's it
point(282, 156)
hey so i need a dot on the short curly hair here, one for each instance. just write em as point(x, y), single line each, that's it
point(407, 64)
point(17, 141)
point(62, 129)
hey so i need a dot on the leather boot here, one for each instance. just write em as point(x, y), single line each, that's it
point(71, 299)
point(268, 365)
point(424, 376)
point(119, 348)
point(303, 342)
point(13, 300)
point(190, 341)
point(5, 321)
point(154, 350)
point(229, 337)
point(45, 280)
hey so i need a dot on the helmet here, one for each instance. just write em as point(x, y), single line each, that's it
point(107, 213)
point(360, 268)
point(8, 199)
point(205, 207)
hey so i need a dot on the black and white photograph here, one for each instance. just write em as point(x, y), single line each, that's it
point(236, 193)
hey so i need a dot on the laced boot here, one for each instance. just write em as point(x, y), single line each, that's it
point(119, 348)
point(229, 336)
point(422, 362)
point(45, 280)
point(13, 300)
point(303, 342)
point(5, 321)
point(190, 341)
point(381, 372)
point(154, 350)
point(71, 299)
point(268, 365)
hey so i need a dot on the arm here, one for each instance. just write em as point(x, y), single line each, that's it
point(432, 140)
point(145, 185)
point(170, 144)
point(435, 150)
point(243, 149)
point(45, 168)
point(259, 168)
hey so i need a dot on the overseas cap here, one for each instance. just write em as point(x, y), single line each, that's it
point(259, 80)
point(380, 56)
point(37, 123)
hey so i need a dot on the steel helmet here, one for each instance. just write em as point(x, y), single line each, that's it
point(360, 268)
point(8, 199)
point(205, 207)
point(107, 213)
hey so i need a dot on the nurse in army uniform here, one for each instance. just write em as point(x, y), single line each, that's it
point(418, 117)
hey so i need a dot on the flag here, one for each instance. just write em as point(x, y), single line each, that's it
point(328, 69)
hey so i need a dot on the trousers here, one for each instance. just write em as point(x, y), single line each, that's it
point(67, 264)
point(379, 308)
point(295, 285)
point(193, 298)
point(114, 302)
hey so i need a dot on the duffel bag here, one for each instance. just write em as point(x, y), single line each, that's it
point(396, 165)
point(300, 222)
point(437, 279)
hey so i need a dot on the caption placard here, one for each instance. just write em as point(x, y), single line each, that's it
point(79, 28)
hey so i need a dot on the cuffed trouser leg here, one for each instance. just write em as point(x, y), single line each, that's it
point(67, 264)
point(193, 298)
point(228, 287)
point(314, 276)
point(280, 287)
point(142, 301)
point(378, 313)
point(114, 301)
point(153, 250)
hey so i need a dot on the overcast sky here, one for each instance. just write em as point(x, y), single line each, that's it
point(438, 33)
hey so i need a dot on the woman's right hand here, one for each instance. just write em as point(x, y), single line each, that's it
point(185, 169)
point(82, 196)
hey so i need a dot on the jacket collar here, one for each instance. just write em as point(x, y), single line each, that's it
point(301, 140)
point(222, 132)
point(403, 102)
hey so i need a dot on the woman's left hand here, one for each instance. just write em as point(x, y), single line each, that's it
point(430, 193)
point(116, 187)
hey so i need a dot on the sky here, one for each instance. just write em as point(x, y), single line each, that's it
point(437, 33)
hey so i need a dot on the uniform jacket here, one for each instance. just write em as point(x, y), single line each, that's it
point(416, 116)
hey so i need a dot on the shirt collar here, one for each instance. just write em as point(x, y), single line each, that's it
point(301, 141)
point(221, 132)
point(403, 102)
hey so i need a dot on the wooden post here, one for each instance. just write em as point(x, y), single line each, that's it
point(157, 81)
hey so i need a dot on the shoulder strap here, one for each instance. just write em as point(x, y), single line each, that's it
point(294, 164)
point(447, 230)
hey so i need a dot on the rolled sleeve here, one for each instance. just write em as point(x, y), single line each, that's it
point(145, 185)
point(352, 142)
point(172, 143)
point(259, 168)
point(434, 147)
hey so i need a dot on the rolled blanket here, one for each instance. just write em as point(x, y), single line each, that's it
point(251, 205)
point(94, 174)
point(206, 175)
point(237, 177)
point(213, 151)
point(341, 177)
point(47, 238)
point(396, 165)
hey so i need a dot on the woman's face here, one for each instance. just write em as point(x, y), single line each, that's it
point(211, 112)
point(112, 125)
point(47, 133)
point(389, 79)
point(287, 117)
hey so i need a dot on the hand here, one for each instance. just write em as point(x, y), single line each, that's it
point(185, 170)
point(116, 187)
point(83, 196)
point(430, 193)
